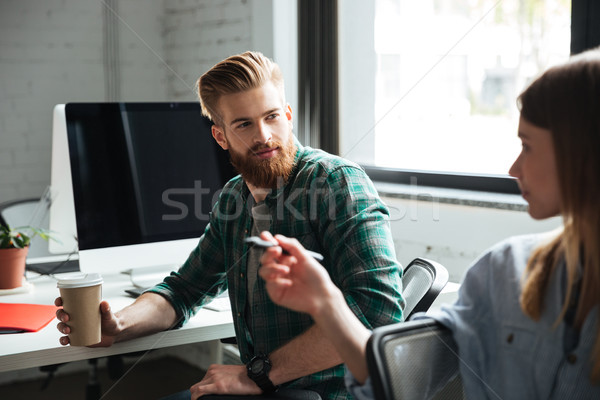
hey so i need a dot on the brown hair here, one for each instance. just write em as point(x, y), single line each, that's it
point(236, 74)
point(566, 101)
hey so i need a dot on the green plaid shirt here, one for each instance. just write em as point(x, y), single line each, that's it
point(331, 207)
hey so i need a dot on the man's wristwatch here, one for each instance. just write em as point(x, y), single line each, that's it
point(258, 371)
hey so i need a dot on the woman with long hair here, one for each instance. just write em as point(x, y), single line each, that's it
point(526, 321)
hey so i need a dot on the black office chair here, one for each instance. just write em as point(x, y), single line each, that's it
point(17, 208)
point(422, 282)
point(414, 360)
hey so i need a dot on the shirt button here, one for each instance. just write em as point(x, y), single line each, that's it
point(240, 314)
point(571, 358)
point(242, 275)
point(510, 338)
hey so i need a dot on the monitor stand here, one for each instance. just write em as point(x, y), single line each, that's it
point(145, 277)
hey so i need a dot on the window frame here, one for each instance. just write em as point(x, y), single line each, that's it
point(320, 37)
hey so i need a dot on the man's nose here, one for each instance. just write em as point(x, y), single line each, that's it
point(263, 134)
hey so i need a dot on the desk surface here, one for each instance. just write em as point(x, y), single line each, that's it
point(34, 349)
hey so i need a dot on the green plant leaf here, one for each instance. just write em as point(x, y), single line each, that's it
point(26, 239)
point(5, 242)
point(45, 234)
point(5, 230)
point(17, 242)
point(14, 237)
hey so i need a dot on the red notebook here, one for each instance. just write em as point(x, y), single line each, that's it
point(15, 317)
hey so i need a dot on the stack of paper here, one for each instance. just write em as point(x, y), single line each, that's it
point(16, 317)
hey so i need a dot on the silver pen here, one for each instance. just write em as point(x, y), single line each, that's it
point(256, 241)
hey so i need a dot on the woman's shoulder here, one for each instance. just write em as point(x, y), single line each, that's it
point(521, 245)
point(510, 256)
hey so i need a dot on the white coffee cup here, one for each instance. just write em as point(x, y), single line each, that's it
point(81, 299)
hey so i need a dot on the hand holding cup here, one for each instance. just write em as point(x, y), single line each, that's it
point(80, 298)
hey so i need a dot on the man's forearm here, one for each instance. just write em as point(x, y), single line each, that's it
point(150, 313)
point(306, 354)
point(337, 337)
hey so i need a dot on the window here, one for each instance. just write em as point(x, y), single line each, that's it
point(431, 85)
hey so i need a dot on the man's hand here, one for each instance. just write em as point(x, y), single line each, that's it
point(295, 280)
point(225, 379)
point(109, 324)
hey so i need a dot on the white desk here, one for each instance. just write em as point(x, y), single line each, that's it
point(26, 350)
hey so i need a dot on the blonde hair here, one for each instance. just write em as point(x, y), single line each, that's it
point(236, 74)
point(566, 101)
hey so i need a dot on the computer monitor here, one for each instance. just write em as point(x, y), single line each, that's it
point(141, 179)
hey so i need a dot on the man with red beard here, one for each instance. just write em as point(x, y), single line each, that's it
point(326, 202)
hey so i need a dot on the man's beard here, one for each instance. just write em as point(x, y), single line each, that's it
point(267, 173)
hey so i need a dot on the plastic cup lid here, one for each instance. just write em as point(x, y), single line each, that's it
point(80, 281)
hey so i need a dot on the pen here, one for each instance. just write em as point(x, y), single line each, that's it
point(255, 240)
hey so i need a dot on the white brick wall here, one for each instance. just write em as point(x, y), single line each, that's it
point(51, 52)
point(200, 33)
point(143, 72)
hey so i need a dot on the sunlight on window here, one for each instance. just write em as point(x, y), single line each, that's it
point(448, 73)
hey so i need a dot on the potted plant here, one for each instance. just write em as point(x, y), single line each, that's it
point(14, 245)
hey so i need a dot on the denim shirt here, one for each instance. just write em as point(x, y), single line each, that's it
point(506, 354)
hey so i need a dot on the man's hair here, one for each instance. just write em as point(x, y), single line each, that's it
point(239, 73)
point(566, 101)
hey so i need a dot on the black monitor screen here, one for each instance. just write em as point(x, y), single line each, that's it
point(142, 172)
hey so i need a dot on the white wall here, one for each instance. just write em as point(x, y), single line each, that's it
point(46, 50)
point(454, 235)
point(197, 35)
point(52, 52)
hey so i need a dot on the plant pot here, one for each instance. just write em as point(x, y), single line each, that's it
point(12, 267)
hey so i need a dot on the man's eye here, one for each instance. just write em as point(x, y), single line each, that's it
point(273, 116)
point(243, 125)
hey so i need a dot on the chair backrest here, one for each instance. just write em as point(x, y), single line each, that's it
point(18, 212)
point(414, 360)
point(422, 282)
point(27, 212)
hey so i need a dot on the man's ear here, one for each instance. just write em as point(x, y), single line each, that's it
point(219, 135)
point(289, 116)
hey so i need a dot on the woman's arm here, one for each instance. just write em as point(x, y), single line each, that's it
point(299, 282)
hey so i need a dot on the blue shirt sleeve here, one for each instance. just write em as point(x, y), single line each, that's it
point(358, 391)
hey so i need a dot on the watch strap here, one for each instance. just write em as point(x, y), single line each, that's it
point(265, 383)
point(261, 378)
